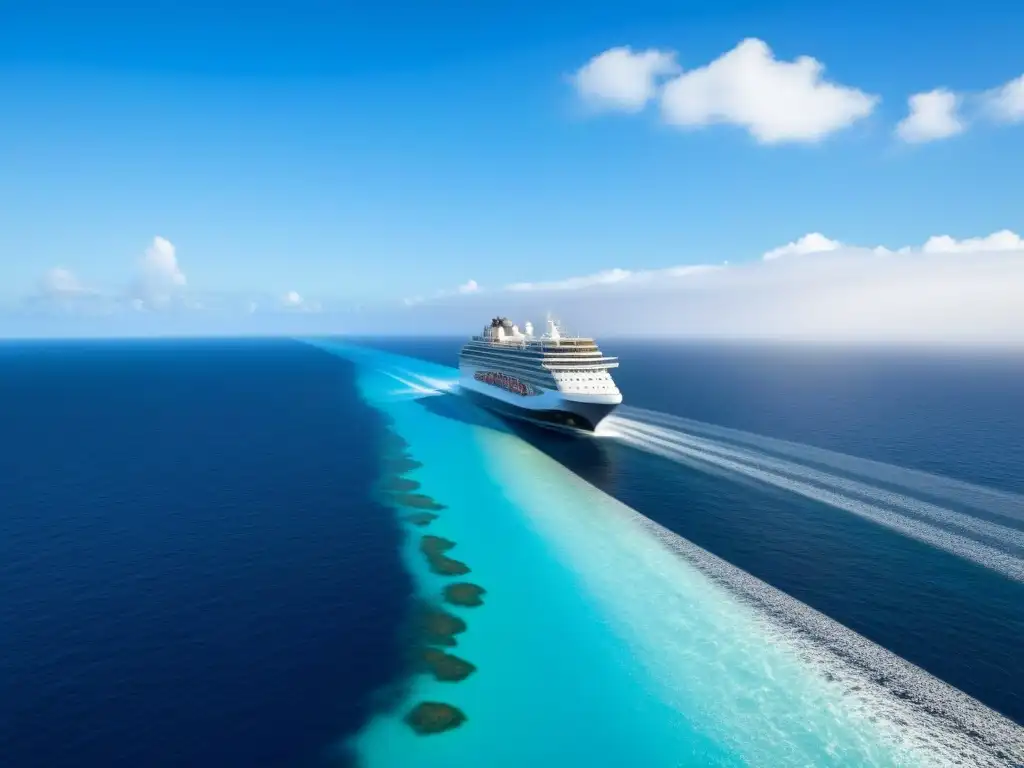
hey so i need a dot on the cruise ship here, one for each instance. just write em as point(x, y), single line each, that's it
point(554, 379)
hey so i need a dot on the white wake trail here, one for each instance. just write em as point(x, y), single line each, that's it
point(413, 388)
point(997, 502)
point(1000, 534)
point(436, 385)
point(981, 554)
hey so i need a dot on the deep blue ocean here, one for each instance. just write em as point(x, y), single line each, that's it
point(194, 569)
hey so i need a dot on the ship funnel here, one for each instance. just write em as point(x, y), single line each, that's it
point(528, 328)
point(553, 330)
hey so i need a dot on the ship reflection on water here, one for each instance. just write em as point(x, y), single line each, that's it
point(582, 453)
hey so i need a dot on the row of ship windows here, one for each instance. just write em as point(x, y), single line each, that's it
point(533, 353)
point(526, 364)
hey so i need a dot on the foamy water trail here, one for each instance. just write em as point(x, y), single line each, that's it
point(412, 387)
point(1002, 536)
point(1003, 503)
point(889, 686)
point(981, 554)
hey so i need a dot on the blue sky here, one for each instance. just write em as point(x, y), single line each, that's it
point(361, 155)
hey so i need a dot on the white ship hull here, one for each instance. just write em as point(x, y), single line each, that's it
point(579, 411)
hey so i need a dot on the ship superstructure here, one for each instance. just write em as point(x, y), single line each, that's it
point(554, 379)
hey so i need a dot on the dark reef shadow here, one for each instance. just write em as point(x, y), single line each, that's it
point(582, 454)
point(457, 408)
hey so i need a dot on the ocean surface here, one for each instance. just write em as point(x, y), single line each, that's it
point(212, 553)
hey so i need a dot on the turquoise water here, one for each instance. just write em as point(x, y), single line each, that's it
point(605, 640)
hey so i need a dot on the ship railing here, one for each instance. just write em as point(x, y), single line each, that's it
point(534, 341)
point(588, 365)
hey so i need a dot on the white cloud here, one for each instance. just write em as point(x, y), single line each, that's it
point(933, 115)
point(776, 101)
point(1006, 103)
point(606, 277)
point(161, 262)
point(468, 287)
point(61, 282)
point(942, 292)
point(296, 302)
point(620, 79)
point(1004, 240)
point(160, 276)
point(814, 242)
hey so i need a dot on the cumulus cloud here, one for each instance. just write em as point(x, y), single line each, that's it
point(775, 101)
point(624, 80)
point(1006, 103)
point(933, 115)
point(160, 276)
point(469, 287)
point(813, 242)
point(1003, 240)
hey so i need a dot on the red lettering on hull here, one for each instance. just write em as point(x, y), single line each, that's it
point(506, 382)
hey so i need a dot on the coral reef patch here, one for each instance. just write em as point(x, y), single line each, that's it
point(401, 464)
point(440, 627)
point(446, 667)
point(434, 548)
point(420, 518)
point(430, 717)
point(399, 484)
point(418, 501)
point(393, 442)
point(465, 594)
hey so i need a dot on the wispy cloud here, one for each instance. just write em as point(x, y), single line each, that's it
point(606, 277)
point(59, 282)
point(1006, 103)
point(466, 288)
